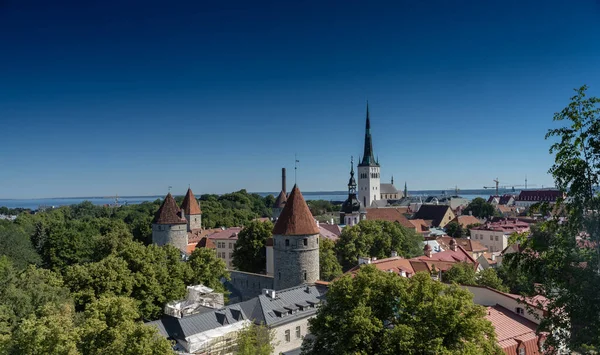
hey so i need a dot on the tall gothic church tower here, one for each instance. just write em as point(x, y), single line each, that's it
point(368, 171)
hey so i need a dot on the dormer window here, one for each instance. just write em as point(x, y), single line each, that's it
point(520, 311)
point(522, 351)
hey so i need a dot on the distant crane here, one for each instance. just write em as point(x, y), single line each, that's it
point(116, 198)
point(455, 189)
point(506, 187)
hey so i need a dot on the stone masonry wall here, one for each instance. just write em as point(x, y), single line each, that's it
point(294, 262)
point(172, 234)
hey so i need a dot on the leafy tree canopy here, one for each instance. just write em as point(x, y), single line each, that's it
point(480, 208)
point(455, 230)
point(380, 313)
point(255, 340)
point(376, 239)
point(329, 266)
point(250, 249)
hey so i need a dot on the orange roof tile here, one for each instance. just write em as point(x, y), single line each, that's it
point(296, 219)
point(513, 331)
point(467, 220)
point(190, 204)
point(390, 215)
point(169, 213)
point(469, 245)
point(420, 225)
point(394, 264)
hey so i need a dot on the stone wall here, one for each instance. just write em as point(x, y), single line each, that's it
point(296, 260)
point(245, 285)
point(194, 221)
point(172, 234)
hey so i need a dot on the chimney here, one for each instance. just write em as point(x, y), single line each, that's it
point(394, 254)
point(363, 260)
point(269, 293)
point(493, 257)
point(283, 180)
point(453, 244)
point(427, 251)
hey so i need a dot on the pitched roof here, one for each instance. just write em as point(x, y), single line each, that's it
point(466, 220)
point(169, 213)
point(326, 233)
point(196, 235)
point(460, 255)
point(281, 200)
point(395, 264)
point(433, 212)
point(296, 219)
point(333, 228)
point(190, 204)
point(469, 245)
point(229, 233)
point(540, 195)
point(387, 189)
point(420, 225)
point(513, 331)
point(390, 215)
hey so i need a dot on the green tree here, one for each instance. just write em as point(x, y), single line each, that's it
point(455, 230)
point(380, 313)
point(15, 244)
point(461, 273)
point(255, 340)
point(377, 239)
point(53, 332)
point(489, 278)
point(112, 326)
point(480, 208)
point(207, 269)
point(565, 255)
point(329, 266)
point(249, 253)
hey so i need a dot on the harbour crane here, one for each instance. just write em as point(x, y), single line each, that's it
point(507, 186)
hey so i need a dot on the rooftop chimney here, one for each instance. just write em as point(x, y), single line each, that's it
point(283, 180)
point(394, 253)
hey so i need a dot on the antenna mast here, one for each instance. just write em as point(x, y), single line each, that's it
point(296, 161)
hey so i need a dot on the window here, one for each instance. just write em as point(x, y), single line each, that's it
point(298, 332)
point(230, 255)
point(230, 245)
point(287, 242)
point(304, 275)
point(491, 237)
point(522, 351)
point(520, 311)
point(305, 241)
point(496, 238)
point(287, 336)
point(279, 275)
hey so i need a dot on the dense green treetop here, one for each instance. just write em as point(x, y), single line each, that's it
point(455, 230)
point(480, 208)
point(249, 254)
point(380, 313)
point(255, 340)
point(376, 239)
point(15, 244)
point(465, 274)
point(329, 265)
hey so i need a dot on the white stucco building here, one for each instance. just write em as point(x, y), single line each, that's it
point(494, 236)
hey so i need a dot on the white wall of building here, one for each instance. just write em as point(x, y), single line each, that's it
point(495, 241)
point(281, 341)
point(486, 297)
point(369, 183)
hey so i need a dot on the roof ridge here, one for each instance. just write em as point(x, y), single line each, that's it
point(190, 204)
point(296, 218)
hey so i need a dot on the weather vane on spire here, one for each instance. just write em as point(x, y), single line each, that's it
point(296, 161)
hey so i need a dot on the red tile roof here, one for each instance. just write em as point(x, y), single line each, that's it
point(513, 331)
point(196, 235)
point(296, 219)
point(333, 228)
point(169, 213)
point(540, 195)
point(281, 200)
point(229, 233)
point(467, 244)
point(420, 225)
point(203, 243)
point(190, 204)
point(395, 264)
point(429, 265)
point(460, 255)
point(467, 220)
point(505, 225)
point(390, 215)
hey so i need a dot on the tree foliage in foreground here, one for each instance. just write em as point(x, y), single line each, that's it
point(250, 249)
point(465, 274)
point(480, 208)
point(255, 340)
point(564, 256)
point(455, 230)
point(376, 239)
point(380, 313)
point(329, 266)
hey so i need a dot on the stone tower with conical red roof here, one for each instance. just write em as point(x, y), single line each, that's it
point(191, 211)
point(170, 226)
point(295, 244)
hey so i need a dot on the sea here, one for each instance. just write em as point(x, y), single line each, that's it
point(334, 196)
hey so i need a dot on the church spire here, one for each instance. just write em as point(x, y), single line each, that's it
point(352, 181)
point(405, 190)
point(368, 158)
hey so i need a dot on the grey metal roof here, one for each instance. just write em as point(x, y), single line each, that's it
point(297, 300)
point(388, 189)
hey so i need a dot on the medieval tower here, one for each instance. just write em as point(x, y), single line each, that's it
point(170, 226)
point(368, 171)
point(295, 244)
point(281, 199)
point(191, 211)
point(352, 211)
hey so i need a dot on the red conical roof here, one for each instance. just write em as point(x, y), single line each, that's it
point(281, 200)
point(169, 213)
point(190, 204)
point(296, 219)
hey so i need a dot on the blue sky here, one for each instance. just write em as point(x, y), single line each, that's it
point(101, 97)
